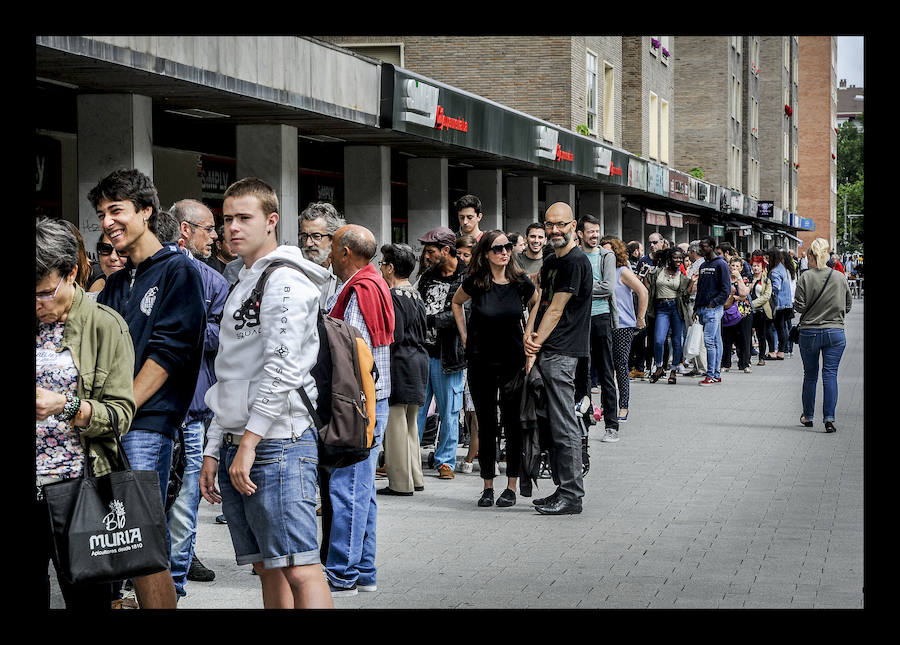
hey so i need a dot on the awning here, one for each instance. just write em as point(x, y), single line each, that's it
point(739, 226)
point(793, 237)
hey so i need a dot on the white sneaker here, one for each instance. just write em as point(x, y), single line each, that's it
point(367, 587)
point(611, 436)
point(466, 466)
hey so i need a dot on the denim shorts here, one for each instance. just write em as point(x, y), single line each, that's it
point(276, 525)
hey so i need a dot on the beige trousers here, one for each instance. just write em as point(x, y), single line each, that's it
point(402, 459)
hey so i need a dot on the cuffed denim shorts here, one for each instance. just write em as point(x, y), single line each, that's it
point(276, 525)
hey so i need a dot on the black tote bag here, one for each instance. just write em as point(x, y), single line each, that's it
point(108, 528)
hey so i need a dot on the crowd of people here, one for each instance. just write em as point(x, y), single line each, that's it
point(501, 335)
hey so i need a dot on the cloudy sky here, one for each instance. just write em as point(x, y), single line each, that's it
point(850, 63)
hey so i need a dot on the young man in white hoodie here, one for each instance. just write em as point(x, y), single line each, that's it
point(261, 440)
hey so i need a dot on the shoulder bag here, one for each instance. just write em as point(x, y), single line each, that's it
point(108, 528)
point(795, 330)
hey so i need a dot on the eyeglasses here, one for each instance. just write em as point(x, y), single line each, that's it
point(384, 264)
point(552, 225)
point(44, 298)
point(208, 229)
point(105, 249)
point(500, 248)
point(317, 237)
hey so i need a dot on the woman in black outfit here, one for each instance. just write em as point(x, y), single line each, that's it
point(500, 291)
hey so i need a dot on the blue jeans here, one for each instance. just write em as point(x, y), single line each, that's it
point(147, 450)
point(351, 538)
point(830, 343)
point(667, 316)
point(448, 390)
point(182, 517)
point(276, 525)
point(711, 319)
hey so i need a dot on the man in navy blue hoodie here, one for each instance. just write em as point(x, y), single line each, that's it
point(713, 289)
point(160, 295)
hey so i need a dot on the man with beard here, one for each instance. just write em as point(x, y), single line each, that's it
point(533, 257)
point(604, 318)
point(318, 223)
point(558, 335)
point(197, 237)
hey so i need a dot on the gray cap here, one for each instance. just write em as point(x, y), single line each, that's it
point(442, 236)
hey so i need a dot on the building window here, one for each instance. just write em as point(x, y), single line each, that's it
point(794, 199)
point(786, 94)
point(739, 44)
point(733, 101)
point(609, 102)
point(785, 194)
point(592, 92)
point(735, 174)
point(754, 117)
point(664, 131)
point(654, 126)
point(787, 146)
point(665, 43)
point(654, 51)
point(794, 151)
point(737, 101)
point(754, 178)
point(786, 41)
point(755, 54)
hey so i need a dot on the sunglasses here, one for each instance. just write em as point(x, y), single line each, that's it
point(499, 248)
point(105, 249)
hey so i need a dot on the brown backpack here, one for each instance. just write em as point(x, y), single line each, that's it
point(345, 375)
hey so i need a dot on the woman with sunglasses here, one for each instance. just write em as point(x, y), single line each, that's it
point(110, 262)
point(495, 351)
point(77, 341)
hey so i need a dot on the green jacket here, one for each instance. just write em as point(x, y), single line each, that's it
point(103, 353)
point(682, 291)
point(763, 301)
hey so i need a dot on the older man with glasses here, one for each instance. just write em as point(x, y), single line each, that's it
point(318, 223)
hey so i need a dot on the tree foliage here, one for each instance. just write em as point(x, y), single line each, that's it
point(849, 154)
point(850, 180)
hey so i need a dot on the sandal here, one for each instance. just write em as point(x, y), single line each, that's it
point(672, 377)
point(657, 375)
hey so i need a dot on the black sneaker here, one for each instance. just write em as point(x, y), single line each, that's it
point(220, 519)
point(199, 573)
point(487, 498)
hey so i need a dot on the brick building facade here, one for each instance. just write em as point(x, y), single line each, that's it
point(648, 93)
point(817, 138)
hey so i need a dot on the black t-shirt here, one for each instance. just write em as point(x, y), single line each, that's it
point(570, 273)
point(495, 330)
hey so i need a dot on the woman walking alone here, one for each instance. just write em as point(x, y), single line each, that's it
point(822, 300)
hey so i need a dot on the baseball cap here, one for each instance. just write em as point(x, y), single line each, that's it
point(441, 236)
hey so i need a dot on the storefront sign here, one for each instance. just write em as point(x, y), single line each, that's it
point(765, 209)
point(724, 200)
point(679, 185)
point(658, 179)
point(737, 203)
point(750, 206)
point(443, 121)
point(547, 142)
point(602, 160)
point(718, 230)
point(637, 173)
point(563, 155)
point(216, 175)
point(419, 103)
point(676, 220)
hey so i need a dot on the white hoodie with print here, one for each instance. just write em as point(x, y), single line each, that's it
point(265, 356)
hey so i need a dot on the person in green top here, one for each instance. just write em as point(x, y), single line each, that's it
point(84, 364)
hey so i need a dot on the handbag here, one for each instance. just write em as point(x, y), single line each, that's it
point(693, 343)
point(108, 528)
point(732, 316)
point(794, 334)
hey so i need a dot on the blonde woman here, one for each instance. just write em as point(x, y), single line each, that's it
point(822, 299)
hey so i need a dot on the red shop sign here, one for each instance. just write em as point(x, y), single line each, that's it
point(562, 155)
point(443, 121)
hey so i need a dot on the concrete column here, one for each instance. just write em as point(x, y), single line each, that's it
point(114, 131)
point(521, 203)
point(269, 152)
point(426, 198)
point(564, 193)
point(367, 189)
point(590, 202)
point(612, 215)
point(488, 186)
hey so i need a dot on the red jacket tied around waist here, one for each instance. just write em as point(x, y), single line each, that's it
point(375, 304)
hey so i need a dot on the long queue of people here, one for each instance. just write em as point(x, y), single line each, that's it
point(167, 350)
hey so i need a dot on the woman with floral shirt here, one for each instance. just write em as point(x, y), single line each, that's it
point(84, 365)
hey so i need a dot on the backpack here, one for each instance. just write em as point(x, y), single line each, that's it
point(345, 374)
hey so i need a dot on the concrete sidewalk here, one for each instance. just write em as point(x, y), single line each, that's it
point(713, 497)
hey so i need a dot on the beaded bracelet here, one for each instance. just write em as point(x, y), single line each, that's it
point(70, 409)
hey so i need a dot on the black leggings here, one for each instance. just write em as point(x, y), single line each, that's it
point(739, 336)
point(761, 324)
point(486, 383)
point(781, 327)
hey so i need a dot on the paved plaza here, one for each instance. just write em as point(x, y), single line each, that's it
point(714, 497)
